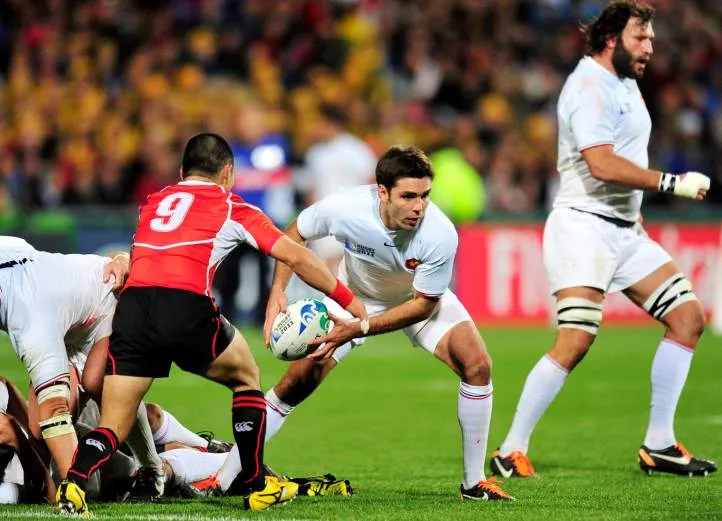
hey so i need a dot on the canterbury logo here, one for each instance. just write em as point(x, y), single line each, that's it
point(95, 443)
point(243, 426)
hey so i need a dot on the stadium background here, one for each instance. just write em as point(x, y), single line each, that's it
point(97, 98)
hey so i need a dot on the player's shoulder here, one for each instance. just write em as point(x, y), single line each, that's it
point(589, 77)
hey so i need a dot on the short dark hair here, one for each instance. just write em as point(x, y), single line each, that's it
point(612, 20)
point(400, 161)
point(206, 154)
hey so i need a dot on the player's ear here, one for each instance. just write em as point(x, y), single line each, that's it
point(383, 192)
point(227, 176)
point(180, 173)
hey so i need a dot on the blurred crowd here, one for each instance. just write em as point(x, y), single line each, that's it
point(97, 97)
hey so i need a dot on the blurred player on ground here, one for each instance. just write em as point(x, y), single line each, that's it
point(399, 257)
point(166, 314)
point(594, 242)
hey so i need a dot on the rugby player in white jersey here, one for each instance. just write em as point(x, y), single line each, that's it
point(398, 258)
point(594, 242)
point(57, 310)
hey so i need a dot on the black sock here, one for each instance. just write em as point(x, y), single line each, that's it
point(6, 454)
point(249, 431)
point(94, 449)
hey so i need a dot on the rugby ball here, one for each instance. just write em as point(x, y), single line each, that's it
point(291, 331)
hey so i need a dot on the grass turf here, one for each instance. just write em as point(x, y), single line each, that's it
point(386, 420)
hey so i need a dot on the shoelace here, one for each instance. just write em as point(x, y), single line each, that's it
point(521, 463)
point(491, 486)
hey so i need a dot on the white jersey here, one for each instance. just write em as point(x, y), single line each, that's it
point(51, 297)
point(598, 108)
point(382, 265)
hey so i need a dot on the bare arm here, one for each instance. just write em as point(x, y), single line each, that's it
point(419, 308)
point(282, 272)
point(607, 166)
point(314, 272)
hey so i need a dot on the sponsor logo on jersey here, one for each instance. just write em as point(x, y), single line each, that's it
point(360, 249)
point(412, 264)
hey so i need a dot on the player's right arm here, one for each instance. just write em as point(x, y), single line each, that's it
point(592, 113)
point(607, 166)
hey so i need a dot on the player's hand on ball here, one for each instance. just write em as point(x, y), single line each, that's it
point(118, 268)
point(342, 332)
point(277, 303)
point(692, 185)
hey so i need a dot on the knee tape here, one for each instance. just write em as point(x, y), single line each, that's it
point(579, 313)
point(675, 291)
point(60, 424)
point(59, 388)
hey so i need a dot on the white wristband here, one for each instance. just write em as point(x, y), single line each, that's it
point(684, 185)
point(365, 326)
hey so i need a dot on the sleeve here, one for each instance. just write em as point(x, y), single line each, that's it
point(318, 220)
point(258, 230)
point(433, 275)
point(592, 116)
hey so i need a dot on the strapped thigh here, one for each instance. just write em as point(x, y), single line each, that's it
point(672, 293)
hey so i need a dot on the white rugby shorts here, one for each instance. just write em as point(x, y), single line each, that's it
point(426, 334)
point(581, 249)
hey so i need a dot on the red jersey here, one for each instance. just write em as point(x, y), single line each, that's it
point(187, 229)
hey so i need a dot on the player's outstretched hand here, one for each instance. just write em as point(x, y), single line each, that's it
point(342, 332)
point(277, 303)
point(118, 267)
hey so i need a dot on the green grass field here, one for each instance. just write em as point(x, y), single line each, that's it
point(386, 420)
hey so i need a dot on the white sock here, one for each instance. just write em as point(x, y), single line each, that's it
point(669, 373)
point(474, 411)
point(140, 440)
point(191, 465)
point(230, 468)
point(276, 413)
point(171, 430)
point(9, 493)
point(541, 387)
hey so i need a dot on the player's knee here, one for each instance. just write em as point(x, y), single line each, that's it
point(688, 323)
point(53, 405)
point(155, 416)
point(478, 370)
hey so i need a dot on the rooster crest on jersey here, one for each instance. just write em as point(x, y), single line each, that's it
point(291, 331)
